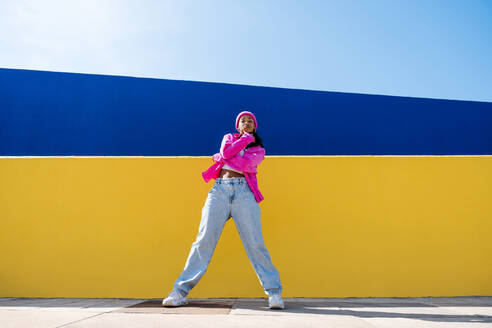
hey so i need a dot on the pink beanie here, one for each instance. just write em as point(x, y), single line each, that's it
point(245, 113)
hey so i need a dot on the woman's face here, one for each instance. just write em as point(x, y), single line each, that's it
point(246, 123)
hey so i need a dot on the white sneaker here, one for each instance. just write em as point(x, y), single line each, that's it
point(275, 302)
point(174, 299)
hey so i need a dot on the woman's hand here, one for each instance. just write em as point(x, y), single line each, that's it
point(242, 131)
point(216, 157)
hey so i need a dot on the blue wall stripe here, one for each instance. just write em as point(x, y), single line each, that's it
point(51, 114)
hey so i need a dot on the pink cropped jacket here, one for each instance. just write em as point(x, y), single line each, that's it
point(230, 147)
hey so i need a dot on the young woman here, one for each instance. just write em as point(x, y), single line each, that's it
point(234, 194)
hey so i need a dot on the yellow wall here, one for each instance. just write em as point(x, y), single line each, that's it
point(334, 226)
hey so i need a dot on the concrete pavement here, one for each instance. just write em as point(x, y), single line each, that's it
point(300, 312)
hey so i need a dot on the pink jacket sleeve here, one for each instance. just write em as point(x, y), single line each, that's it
point(229, 148)
point(251, 158)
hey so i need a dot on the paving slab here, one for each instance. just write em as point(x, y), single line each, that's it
point(62, 304)
point(39, 319)
point(415, 323)
point(260, 307)
point(7, 298)
point(299, 312)
point(472, 310)
point(371, 300)
point(112, 305)
point(194, 306)
point(83, 305)
point(134, 320)
point(457, 301)
point(32, 303)
point(394, 311)
point(333, 307)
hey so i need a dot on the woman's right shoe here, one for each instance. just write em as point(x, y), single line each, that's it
point(174, 299)
point(275, 302)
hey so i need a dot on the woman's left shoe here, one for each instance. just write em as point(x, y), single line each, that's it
point(174, 299)
point(275, 302)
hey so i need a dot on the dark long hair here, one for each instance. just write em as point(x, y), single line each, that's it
point(258, 141)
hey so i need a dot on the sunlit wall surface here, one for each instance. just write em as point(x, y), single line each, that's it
point(365, 195)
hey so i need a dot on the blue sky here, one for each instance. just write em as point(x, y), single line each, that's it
point(419, 48)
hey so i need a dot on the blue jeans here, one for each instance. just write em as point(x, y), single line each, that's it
point(229, 197)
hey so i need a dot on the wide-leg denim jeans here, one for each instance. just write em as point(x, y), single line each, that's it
point(229, 197)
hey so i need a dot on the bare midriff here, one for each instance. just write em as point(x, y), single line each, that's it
point(224, 173)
